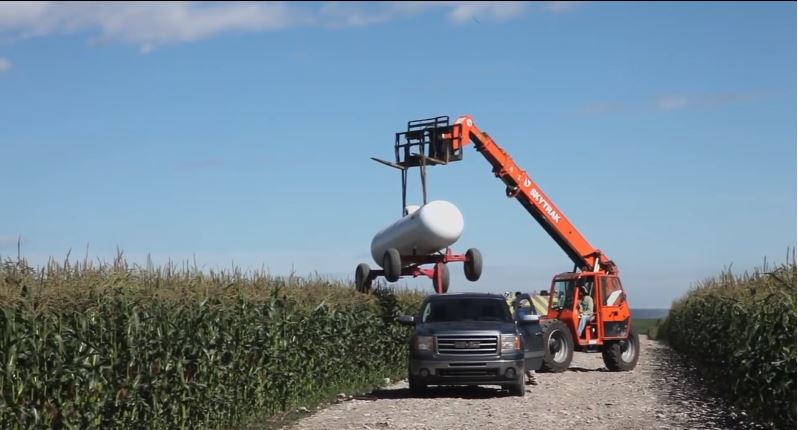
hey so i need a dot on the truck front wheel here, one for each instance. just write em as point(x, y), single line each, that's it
point(417, 389)
point(518, 389)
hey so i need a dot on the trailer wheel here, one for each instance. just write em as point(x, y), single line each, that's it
point(473, 264)
point(622, 356)
point(392, 263)
point(362, 281)
point(440, 278)
point(558, 346)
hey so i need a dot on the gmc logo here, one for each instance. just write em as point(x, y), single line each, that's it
point(467, 345)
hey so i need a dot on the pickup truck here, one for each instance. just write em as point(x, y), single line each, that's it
point(472, 339)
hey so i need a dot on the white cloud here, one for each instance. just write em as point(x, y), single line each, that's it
point(21, 14)
point(353, 14)
point(495, 10)
point(152, 24)
point(146, 24)
point(672, 102)
point(561, 6)
point(464, 11)
point(4, 64)
point(704, 100)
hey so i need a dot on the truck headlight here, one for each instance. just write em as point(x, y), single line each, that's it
point(511, 343)
point(423, 343)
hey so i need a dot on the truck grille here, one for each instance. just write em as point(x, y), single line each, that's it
point(467, 345)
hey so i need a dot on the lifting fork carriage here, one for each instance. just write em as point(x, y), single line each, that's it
point(425, 143)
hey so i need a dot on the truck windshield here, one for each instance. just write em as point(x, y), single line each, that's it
point(470, 309)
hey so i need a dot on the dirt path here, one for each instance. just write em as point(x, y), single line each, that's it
point(661, 393)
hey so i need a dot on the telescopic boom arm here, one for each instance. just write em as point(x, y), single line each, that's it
point(540, 206)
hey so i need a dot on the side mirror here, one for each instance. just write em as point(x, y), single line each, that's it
point(407, 320)
point(529, 319)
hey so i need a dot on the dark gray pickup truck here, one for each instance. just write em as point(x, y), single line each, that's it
point(472, 339)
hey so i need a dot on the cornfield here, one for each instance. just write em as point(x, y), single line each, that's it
point(742, 330)
point(119, 346)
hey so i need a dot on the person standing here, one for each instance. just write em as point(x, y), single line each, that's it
point(509, 299)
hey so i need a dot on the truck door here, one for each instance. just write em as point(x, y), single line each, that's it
point(532, 333)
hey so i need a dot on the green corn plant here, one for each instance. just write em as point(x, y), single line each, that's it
point(741, 329)
point(121, 346)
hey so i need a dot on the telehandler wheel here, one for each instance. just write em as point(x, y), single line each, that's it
point(558, 346)
point(362, 282)
point(621, 356)
point(392, 264)
point(440, 278)
point(473, 264)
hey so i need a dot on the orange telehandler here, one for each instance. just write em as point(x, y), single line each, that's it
point(608, 328)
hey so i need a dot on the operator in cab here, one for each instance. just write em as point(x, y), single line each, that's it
point(585, 309)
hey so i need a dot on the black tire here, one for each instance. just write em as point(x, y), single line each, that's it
point(417, 389)
point(473, 264)
point(362, 281)
point(518, 389)
point(622, 356)
point(392, 264)
point(443, 288)
point(558, 346)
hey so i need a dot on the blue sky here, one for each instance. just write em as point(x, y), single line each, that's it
point(241, 132)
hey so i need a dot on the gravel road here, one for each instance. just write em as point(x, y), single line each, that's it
point(663, 392)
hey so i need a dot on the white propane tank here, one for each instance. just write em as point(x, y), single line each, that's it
point(422, 231)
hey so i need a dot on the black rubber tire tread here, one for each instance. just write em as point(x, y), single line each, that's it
point(445, 287)
point(473, 265)
point(550, 326)
point(417, 389)
point(612, 354)
point(362, 283)
point(392, 264)
point(518, 389)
